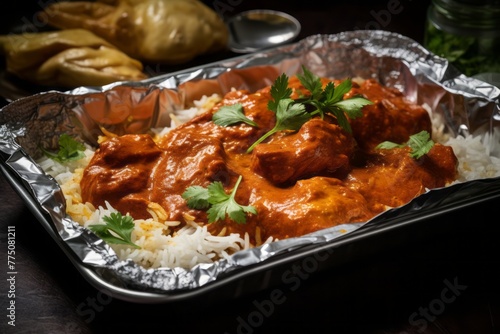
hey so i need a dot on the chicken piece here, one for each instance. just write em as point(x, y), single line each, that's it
point(67, 58)
point(391, 177)
point(120, 172)
point(156, 31)
point(318, 147)
point(310, 205)
point(391, 117)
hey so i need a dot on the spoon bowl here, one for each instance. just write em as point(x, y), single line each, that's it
point(259, 29)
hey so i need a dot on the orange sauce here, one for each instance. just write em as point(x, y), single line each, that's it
point(299, 182)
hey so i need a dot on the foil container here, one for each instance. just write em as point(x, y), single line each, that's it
point(467, 106)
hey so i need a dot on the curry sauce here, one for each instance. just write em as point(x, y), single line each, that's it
point(299, 182)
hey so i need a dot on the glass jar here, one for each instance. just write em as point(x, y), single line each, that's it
point(467, 33)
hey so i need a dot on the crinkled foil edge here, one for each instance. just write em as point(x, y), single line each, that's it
point(395, 60)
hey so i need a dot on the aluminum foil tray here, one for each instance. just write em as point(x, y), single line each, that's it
point(467, 106)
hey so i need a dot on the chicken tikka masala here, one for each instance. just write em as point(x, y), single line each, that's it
point(298, 182)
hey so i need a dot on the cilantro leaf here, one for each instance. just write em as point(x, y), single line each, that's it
point(350, 107)
point(228, 115)
point(69, 149)
point(338, 92)
point(221, 204)
point(289, 116)
point(121, 226)
point(197, 197)
point(216, 193)
point(419, 143)
point(388, 145)
point(279, 91)
point(311, 82)
point(331, 99)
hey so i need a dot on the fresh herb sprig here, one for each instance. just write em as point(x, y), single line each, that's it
point(121, 225)
point(279, 91)
point(228, 115)
point(419, 143)
point(292, 114)
point(220, 204)
point(289, 116)
point(331, 99)
point(69, 150)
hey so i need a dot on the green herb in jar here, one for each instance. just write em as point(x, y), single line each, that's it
point(466, 33)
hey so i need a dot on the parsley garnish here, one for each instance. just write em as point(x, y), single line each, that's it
point(419, 143)
point(227, 115)
point(122, 226)
point(69, 149)
point(289, 116)
point(279, 91)
point(219, 203)
point(292, 114)
point(331, 99)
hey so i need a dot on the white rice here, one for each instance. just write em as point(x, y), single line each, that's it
point(478, 156)
point(193, 244)
point(476, 161)
point(160, 246)
point(190, 245)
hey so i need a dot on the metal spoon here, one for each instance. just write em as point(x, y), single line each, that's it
point(259, 29)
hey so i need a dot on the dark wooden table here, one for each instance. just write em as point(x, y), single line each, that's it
point(446, 282)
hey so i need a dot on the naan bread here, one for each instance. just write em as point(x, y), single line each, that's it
point(67, 58)
point(155, 31)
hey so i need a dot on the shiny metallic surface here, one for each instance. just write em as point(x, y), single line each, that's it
point(259, 29)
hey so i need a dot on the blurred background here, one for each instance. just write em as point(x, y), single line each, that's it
point(315, 17)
